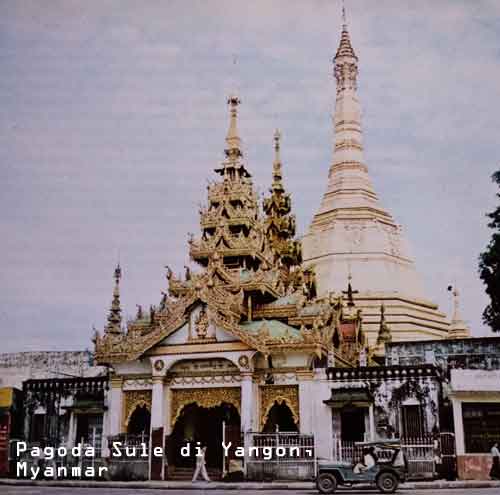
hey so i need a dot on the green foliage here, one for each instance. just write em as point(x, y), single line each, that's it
point(489, 267)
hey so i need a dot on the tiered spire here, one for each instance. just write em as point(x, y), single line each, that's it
point(384, 336)
point(352, 232)
point(280, 223)
point(115, 313)
point(233, 168)
point(349, 183)
point(230, 221)
point(384, 333)
point(458, 328)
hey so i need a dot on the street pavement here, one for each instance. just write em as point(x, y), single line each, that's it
point(51, 490)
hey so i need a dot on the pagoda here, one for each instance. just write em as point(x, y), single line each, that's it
point(352, 237)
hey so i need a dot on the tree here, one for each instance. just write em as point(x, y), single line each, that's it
point(489, 267)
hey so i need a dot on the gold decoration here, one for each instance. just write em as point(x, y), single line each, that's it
point(201, 324)
point(131, 400)
point(204, 397)
point(250, 262)
point(159, 365)
point(288, 394)
point(243, 361)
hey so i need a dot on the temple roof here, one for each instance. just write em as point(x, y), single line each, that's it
point(276, 329)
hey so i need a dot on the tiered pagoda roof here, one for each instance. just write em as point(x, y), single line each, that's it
point(249, 282)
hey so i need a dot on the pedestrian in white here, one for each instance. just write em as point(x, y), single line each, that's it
point(200, 466)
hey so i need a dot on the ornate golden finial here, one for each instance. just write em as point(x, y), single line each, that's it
point(233, 140)
point(114, 316)
point(384, 333)
point(345, 60)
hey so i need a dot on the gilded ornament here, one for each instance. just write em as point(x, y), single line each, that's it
point(159, 365)
point(201, 324)
point(133, 399)
point(243, 361)
point(282, 394)
point(204, 397)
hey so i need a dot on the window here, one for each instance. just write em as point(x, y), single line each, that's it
point(412, 421)
point(89, 429)
point(37, 427)
point(481, 426)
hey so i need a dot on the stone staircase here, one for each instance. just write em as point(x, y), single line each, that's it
point(186, 474)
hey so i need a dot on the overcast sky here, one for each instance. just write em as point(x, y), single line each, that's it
point(113, 117)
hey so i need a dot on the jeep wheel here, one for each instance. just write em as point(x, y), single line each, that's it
point(387, 482)
point(326, 483)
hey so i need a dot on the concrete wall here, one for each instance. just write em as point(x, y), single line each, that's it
point(474, 466)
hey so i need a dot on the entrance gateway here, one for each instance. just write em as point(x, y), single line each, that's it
point(209, 417)
point(198, 418)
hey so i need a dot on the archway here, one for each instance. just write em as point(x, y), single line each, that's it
point(201, 424)
point(140, 421)
point(280, 417)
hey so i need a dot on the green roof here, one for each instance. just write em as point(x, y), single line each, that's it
point(277, 329)
point(283, 301)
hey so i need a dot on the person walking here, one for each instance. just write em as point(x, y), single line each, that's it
point(201, 466)
point(495, 465)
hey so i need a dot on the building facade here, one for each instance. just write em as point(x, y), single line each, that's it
point(470, 406)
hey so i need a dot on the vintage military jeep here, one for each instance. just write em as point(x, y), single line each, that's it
point(386, 474)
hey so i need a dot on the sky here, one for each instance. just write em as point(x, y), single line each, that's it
point(113, 116)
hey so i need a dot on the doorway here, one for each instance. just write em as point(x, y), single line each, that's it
point(279, 418)
point(353, 424)
point(139, 422)
point(204, 425)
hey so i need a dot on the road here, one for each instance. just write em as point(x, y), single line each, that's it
point(50, 490)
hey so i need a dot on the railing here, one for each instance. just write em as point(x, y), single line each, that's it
point(132, 447)
point(420, 454)
point(352, 452)
point(280, 455)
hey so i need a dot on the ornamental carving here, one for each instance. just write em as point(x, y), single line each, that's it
point(133, 399)
point(205, 380)
point(283, 394)
point(204, 397)
point(159, 365)
point(243, 361)
point(201, 324)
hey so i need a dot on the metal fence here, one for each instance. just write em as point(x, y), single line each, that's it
point(280, 455)
point(420, 453)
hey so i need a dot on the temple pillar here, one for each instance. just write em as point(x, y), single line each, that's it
point(157, 403)
point(158, 421)
point(247, 402)
point(115, 406)
point(306, 402)
point(167, 414)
